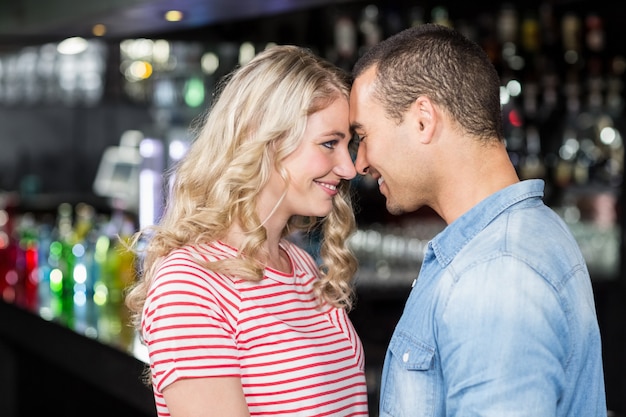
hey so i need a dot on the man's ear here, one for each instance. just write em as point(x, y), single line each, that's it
point(425, 116)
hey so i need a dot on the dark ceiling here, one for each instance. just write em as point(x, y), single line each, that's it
point(34, 21)
point(27, 22)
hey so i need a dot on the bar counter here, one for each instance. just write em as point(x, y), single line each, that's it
point(48, 369)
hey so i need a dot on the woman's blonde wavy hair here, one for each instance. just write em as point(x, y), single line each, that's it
point(258, 118)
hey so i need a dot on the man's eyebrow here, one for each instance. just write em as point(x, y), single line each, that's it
point(355, 125)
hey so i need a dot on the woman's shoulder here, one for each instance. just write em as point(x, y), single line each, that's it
point(192, 263)
point(201, 253)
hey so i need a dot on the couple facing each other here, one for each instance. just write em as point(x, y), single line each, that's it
point(240, 321)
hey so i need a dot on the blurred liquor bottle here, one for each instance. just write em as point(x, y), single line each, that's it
point(117, 273)
point(62, 260)
point(8, 252)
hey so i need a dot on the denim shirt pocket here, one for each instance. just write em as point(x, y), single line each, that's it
point(413, 354)
point(411, 380)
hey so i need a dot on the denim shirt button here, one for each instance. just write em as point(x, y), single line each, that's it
point(405, 357)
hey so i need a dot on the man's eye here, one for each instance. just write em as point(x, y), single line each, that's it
point(355, 142)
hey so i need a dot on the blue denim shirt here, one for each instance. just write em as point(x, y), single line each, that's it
point(501, 321)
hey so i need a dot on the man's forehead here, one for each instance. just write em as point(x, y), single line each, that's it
point(364, 83)
point(361, 97)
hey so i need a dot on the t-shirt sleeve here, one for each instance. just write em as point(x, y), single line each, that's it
point(188, 323)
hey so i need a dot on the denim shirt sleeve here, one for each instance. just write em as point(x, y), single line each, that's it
point(501, 324)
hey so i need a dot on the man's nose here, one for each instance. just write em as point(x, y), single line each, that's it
point(360, 163)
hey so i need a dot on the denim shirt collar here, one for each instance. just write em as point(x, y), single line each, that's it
point(457, 234)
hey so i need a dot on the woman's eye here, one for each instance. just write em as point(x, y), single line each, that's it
point(331, 144)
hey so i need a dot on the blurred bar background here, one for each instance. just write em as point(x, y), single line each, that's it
point(96, 104)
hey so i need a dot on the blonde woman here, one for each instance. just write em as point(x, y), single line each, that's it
point(238, 320)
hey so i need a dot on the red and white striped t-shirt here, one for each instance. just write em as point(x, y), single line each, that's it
point(293, 359)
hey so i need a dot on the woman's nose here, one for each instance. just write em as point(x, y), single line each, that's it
point(345, 168)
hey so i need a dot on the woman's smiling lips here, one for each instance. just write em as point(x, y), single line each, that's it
point(328, 187)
